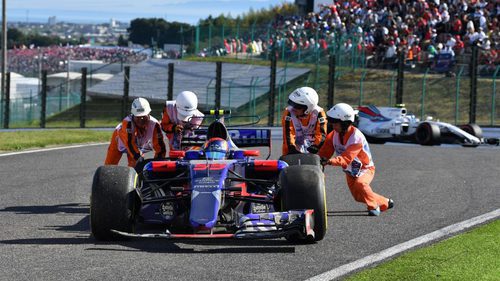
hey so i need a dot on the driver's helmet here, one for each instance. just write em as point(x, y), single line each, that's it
point(216, 149)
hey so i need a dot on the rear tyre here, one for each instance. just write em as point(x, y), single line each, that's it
point(303, 187)
point(112, 202)
point(301, 159)
point(428, 134)
point(473, 129)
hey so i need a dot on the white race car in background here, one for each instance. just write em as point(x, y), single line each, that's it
point(381, 124)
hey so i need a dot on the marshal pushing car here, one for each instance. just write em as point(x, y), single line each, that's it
point(381, 124)
point(217, 190)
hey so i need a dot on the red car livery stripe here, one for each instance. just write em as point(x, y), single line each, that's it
point(223, 235)
point(266, 165)
point(368, 111)
point(164, 166)
point(213, 167)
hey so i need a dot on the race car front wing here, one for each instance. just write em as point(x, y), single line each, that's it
point(253, 226)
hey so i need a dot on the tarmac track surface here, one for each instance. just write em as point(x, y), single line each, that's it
point(44, 221)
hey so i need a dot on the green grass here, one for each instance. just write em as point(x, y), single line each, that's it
point(474, 255)
point(20, 140)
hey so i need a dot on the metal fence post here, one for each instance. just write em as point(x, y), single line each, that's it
point(170, 88)
point(237, 37)
point(43, 110)
point(331, 80)
point(400, 81)
point(391, 92)
point(254, 100)
point(422, 98)
point(126, 81)
point(268, 36)
point(197, 41)
point(83, 97)
point(7, 102)
point(218, 81)
point(181, 53)
point(361, 82)
point(473, 85)
point(493, 96)
point(272, 86)
point(210, 37)
point(222, 36)
point(283, 46)
point(457, 93)
point(284, 82)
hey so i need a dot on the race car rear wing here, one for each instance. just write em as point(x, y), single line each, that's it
point(240, 137)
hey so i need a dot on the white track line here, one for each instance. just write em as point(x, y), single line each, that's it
point(52, 148)
point(392, 251)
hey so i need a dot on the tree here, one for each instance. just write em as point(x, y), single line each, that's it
point(15, 38)
point(122, 42)
point(158, 31)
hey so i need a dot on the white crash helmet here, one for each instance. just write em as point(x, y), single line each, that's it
point(306, 96)
point(342, 111)
point(140, 107)
point(187, 104)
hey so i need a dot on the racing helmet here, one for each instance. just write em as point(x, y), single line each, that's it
point(186, 104)
point(140, 107)
point(215, 149)
point(304, 97)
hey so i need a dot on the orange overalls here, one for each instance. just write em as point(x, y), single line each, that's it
point(354, 156)
point(311, 129)
point(127, 138)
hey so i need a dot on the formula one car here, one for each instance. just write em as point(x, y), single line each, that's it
point(381, 124)
point(213, 192)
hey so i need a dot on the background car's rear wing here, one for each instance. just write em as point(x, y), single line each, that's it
point(241, 137)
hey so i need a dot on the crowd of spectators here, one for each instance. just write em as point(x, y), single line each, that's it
point(382, 29)
point(29, 61)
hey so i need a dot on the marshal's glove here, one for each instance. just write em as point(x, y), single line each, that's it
point(139, 165)
point(293, 150)
point(325, 161)
point(178, 129)
point(313, 149)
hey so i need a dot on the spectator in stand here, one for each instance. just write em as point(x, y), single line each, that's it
point(459, 46)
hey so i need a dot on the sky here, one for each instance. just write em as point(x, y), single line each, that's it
point(101, 11)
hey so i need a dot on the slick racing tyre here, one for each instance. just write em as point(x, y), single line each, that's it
point(428, 134)
point(303, 187)
point(473, 129)
point(301, 159)
point(112, 202)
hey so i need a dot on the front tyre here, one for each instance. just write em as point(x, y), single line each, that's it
point(303, 187)
point(301, 159)
point(112, 202)
point(473, 129)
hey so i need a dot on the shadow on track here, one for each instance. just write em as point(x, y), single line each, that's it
point(347, 213)
point(162, 246)
point(215, 246)
point(81, 226)
point(71, 208)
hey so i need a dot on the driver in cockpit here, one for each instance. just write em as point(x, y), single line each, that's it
point(216, 149)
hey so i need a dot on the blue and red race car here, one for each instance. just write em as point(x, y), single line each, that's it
point(203, 194)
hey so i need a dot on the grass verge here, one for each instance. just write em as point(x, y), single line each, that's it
point(473, 255)
point(20, 140)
